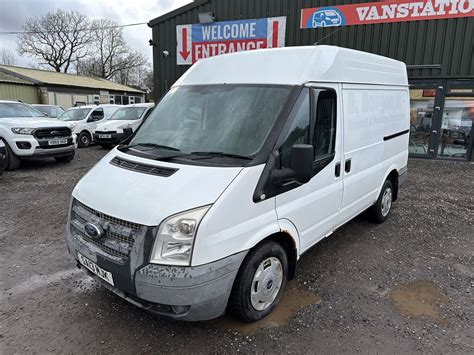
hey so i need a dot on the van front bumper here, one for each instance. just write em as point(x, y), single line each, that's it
point(115, 137)
point(183, 293)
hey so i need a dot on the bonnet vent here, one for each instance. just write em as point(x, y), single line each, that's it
point(143, 168)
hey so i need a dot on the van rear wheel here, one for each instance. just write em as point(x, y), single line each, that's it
point(379, 212)
point(259, 285)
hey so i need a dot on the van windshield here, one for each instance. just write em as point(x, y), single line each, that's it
point(74, 114)
point(231, 119)
point(128, 113)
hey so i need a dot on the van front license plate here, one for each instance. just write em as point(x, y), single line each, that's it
point(57, 141)
point(105, 136)
point(96, 269)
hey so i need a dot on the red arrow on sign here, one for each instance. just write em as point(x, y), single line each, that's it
point(184, 53)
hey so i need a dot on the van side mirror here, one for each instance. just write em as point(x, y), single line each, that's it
point(301, 165)
point(301, 162)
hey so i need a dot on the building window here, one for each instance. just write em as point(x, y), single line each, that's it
point(118, 99)
point(125, 100)
point(138, 99)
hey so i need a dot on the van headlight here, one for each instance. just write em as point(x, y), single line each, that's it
point(175, 237)
point(22, 130)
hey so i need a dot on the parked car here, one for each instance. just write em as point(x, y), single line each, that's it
point(27, 133)
point(83, 119)
point(3, 157)
point(236, 173)
point(52, 111)
point(121, 124)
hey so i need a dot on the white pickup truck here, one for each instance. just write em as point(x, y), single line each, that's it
point(27, 133)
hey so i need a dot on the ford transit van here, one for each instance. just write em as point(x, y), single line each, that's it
point(248, 161)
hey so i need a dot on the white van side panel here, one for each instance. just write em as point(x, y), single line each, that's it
point(371, 112)
point(235, 223)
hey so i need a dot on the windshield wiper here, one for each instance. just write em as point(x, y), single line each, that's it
point(209, 155)
point(154, 145)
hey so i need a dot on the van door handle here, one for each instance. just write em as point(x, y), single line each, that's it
point(337, 169)
point(347, 165)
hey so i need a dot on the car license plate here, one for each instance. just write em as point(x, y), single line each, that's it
point(105, 136)
point(96, 269)
point(57, 141)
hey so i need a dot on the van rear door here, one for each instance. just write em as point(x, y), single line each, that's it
point(313, 207)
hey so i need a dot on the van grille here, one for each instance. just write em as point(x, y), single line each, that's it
point(119, 235)
point(143, 168)
point(41, 133)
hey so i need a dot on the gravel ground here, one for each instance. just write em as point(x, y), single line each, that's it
point(402, 287)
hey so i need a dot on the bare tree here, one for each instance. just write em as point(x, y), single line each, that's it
point(58, 38)
point(7, 57)
point(111, 57)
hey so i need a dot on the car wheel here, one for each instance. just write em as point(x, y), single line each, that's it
point(260, 281)
point(323, 23)
point(84, 139)
point(379, 212)
point(12, 161)
point(65, 158)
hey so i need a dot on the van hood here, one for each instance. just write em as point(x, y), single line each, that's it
point(148, 199)
point(31, 122)
point(112, 125)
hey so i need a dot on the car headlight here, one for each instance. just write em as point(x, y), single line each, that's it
point(22, 130)
point(175, 238)
point(125, 126)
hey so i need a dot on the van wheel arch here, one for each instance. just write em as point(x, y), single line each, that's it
point(289, 245)
point(393, 177)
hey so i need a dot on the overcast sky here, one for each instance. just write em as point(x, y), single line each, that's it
point(14, 12)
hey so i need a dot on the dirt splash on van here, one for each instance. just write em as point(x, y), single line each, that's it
point(293, 300)
point(419, 299)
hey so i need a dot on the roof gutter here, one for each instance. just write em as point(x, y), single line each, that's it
point(176, 12)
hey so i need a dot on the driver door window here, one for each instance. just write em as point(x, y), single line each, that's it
point(324, 127)
point(96, 115)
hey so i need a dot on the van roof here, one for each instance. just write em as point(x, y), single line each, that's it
point(297, 66)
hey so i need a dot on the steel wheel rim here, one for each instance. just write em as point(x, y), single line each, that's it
point(84, 139)
point(386, 202)
point(266, 283)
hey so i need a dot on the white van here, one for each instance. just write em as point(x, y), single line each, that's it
point(121, 124)
point(247, 162)
point(83, 120)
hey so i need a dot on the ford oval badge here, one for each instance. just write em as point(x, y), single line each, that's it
point(93, 231)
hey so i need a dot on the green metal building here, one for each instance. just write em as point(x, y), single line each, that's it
point(438, 52)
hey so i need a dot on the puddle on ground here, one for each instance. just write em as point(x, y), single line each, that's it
point(292, 301)
point(418, 299)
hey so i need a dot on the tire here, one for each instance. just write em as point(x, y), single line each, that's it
point(65, 158)
point(84, 139)
point(379, 212)
point(252, 299)
point(12, 161)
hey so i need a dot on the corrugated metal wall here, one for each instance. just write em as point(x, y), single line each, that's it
point(448, 43)
point(25, 93)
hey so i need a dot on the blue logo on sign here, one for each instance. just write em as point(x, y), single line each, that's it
point(326, 17)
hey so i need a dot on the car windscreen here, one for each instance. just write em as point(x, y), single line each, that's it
point(128, 113)
point(17, 109)
point(75, 114)
point(233, 119)
point(51, 111)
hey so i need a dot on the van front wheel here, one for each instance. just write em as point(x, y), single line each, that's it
point(260, 282)
point(379, 212)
